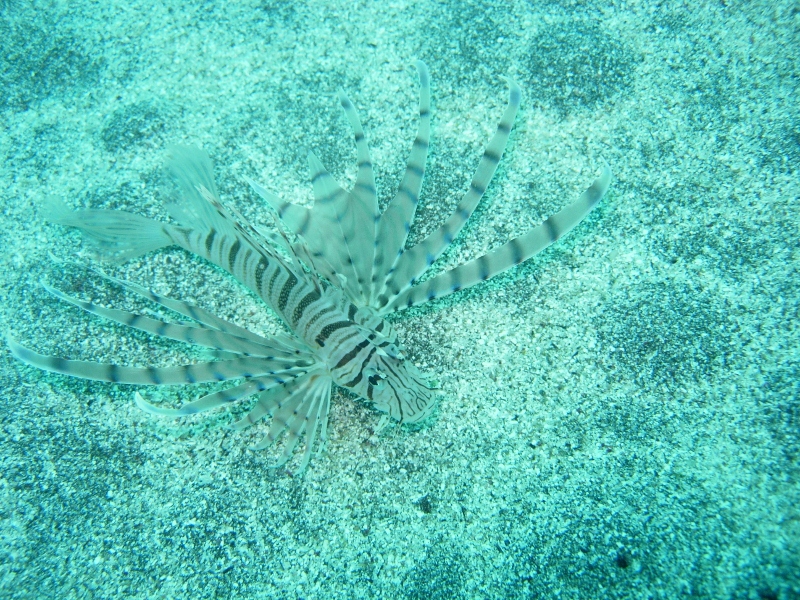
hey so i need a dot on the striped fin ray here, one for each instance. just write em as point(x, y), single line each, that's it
point(336, 221)
point(268, 401)
point(198, 314)
point(358, 212)
point(364, 189)
point(396, 220)
point(202, 372)
point(298, 406)
point(298, 402)
point(242, 228)
point(290, 414)
point(328, 230)
point(297, 220)
point(416, 260)
point(317, 421)
point(189, 333)
point(220, 398)
point(191, 172)
point(242, 236)
point(506, 256)
point(209, 320)
point(303, 418)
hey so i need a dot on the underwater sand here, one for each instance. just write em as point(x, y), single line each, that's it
point(620, 416)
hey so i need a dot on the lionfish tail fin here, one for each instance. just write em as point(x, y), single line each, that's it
point(117, 235)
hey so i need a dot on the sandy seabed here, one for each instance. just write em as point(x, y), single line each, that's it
point(619, 415)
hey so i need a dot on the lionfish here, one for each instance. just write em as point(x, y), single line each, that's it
point(331, 273)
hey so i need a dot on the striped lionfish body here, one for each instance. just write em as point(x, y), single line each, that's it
point(331, 273)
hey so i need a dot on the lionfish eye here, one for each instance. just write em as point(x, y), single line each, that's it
point(375, 378)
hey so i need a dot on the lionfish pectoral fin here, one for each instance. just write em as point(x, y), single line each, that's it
point(214, 400)
point(301, 410)
point(509, 254)
point(414, 261)
point(395, 222)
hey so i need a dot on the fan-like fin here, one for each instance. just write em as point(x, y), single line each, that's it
point(296, 218)
point(340, 236)
point(192, 174)
point(416, 260)
point(195, 373)
point(192, 334)
point(243, 231)
point(317, 421)
point(207, 319)
point(361, 208)
point(287, 414)
point(118, 235)
point(334, 231)
point(396, 220)
point(220, 398)
point(268, 402)
point(298, 402)
point(298, 422)
point(297, 407)
point(216, 232)
point(510, 254)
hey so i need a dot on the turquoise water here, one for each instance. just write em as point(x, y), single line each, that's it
point(619, 415)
